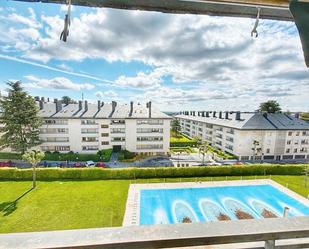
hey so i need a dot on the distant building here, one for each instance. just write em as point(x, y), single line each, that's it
point(86, 128)
point(279, 135)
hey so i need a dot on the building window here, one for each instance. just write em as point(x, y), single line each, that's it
point(56, 121)
point(149, 146)
point(104, 134)
point(150, 121)
point(89, 130)
point(118, 139)
point(54, 130)
point(118, 130)
point(89, 139)
point(104, 126)
point(267, 151)
point(297, 133)
point(149, 138)
point(290, 133)
point(55, 139)
point(296, 142)
point(288, 142)
point(55, 148)
point(295, 150)
point(90, 147)
point(287, 151)
point(105, 143)
point(149, 130)
point(88, 122)
point(117, 122)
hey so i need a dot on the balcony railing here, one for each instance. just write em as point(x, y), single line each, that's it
point(266, 231)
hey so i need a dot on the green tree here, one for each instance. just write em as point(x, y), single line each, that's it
point(19, 119)
point(33, 157)
point(67, 100)
point(256, 149)
point(270, 106)
point(203, 148)
point(176, 127)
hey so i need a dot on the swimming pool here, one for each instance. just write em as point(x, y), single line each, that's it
point(164, 205)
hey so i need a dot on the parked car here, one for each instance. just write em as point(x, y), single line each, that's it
point(90, 164)
point(101, 165)
point(77, 165)
point(214, 164)
point(6, 164)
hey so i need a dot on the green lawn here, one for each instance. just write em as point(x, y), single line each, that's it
point(82, 204)
point(179, 138)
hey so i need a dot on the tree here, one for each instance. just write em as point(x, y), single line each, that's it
point(176, 127)
point(19, 119)
point(203, 148)
point(271, 106)
point(33, 157)
point(67, 100)
point(256, 149)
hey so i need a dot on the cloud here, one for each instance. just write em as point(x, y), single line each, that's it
point(109, 93)
point(192, 58)
point(59, 83)
point(142, 80)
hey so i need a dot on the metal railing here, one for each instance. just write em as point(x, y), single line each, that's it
point(267, 231)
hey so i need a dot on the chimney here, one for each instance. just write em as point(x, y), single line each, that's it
point(99, 105)
point(131, 109)
point(214, 114)
point(148, 105)
point(58, 105)
point(237, 116)
point(41, 104)
point(114, 104)
point(48, 99)
point(226, 115)
point(37, 98)
point(86, 105)
point(296, 115)
point(80, 105)
point(43, 99)
point(220, 114)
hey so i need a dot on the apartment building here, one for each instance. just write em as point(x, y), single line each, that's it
point(86, 128)
point(279, 136)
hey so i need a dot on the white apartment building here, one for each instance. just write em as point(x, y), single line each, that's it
point(280, 136)
point(87, 128)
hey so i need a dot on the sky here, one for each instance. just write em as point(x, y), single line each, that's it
point(177, 61)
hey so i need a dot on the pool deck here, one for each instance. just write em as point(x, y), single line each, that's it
point(132, 214)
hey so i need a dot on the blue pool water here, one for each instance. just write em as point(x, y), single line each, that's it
point(167, 206)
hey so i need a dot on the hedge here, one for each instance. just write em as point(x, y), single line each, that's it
point(192, 143)
point(10, 156)
point(132, 173)
point(70, 156)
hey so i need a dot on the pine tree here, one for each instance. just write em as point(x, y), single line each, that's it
point(19, 119)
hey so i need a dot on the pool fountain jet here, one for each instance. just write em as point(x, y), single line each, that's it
point(183, 212)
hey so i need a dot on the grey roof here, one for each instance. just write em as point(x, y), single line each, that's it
point(105, 111)
point(254, 121)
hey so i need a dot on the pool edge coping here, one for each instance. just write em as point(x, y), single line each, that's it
point(132, 211)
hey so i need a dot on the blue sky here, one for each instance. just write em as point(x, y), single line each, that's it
point(177, 61)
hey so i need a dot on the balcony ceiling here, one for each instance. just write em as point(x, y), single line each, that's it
point(270, 9)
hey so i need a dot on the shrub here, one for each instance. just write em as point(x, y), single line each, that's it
point(132, 173)
point(9, 155)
